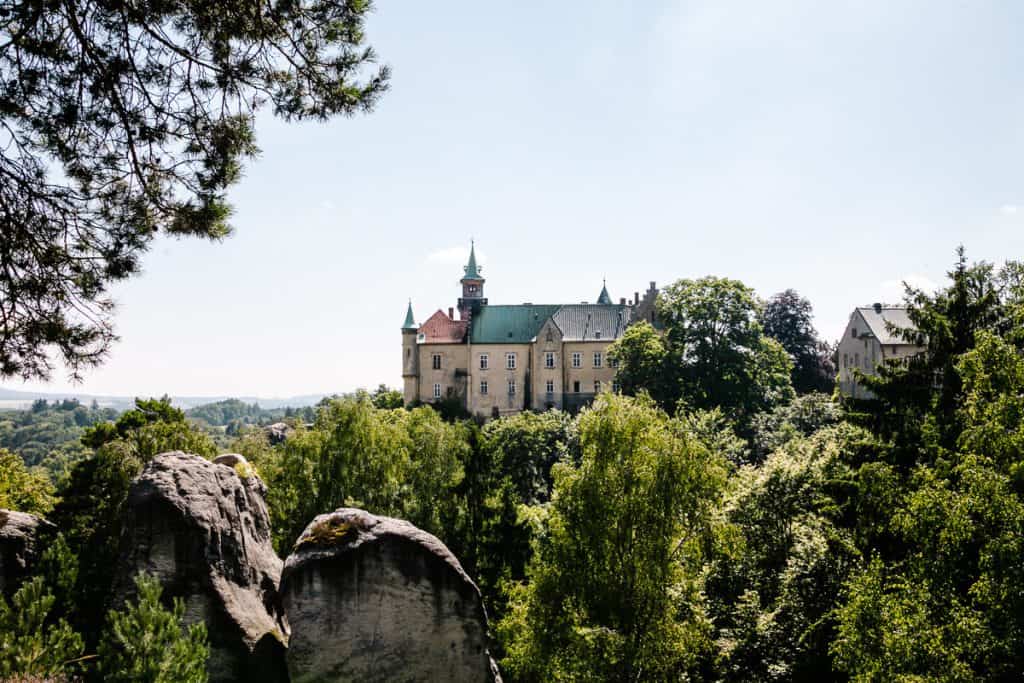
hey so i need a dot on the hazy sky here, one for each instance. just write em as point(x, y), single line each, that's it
point(833, 147)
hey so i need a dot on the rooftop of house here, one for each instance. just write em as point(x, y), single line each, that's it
point(441, 329)
point(886, 322)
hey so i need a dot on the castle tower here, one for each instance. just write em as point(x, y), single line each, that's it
point(603, 297)
point(410, 358)
point(472, 287)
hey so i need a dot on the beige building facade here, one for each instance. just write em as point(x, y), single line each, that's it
point(498, 360)
point(873, 335)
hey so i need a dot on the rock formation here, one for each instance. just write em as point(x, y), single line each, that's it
point(19, 547)
point(277, 433)
point(202, 528)
point(375, 599)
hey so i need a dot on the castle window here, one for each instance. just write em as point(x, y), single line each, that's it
point(597, 334)
point(616, 387)
point(549, 359)
point(597, 359)
point(613, 362)
point(483, 361)
point(576, 387)
point(853, 332)
point(510, 361)
point(483, 387)
point(550, 387)
point(577, 359)
point(511, 387)
point(597, 387)
point(437, 391)
point(436, 359)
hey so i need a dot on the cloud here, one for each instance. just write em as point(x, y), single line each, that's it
point(892, 291)
point(453, 256)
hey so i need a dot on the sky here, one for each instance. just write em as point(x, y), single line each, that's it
point(836, 148)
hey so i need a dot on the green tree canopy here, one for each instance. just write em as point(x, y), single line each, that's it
point(787, 318)
point(23, 489)
point(718, 354)
point(613, 591)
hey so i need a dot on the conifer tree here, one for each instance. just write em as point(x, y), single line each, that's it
point(147, 643)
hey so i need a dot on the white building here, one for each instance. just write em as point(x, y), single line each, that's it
point(872, 336)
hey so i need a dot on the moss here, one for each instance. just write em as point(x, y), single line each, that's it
point(327, 533)
point(244, 470)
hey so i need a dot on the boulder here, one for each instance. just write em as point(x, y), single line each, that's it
point(374, 599)
point(19, 547)
point(277, 432)
point(202, 528)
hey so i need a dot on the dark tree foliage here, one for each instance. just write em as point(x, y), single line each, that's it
point(918, 399)
point(120, 120)
point(787, 318)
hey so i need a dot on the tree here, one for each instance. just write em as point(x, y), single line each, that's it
point(387, 398)
point(30, 641)
point(124, 120)
point(92, 500)
point(787, 318)
point(22, 489)
point(782, 557)
point(641, 357)
point(147, 643)
point(718, 355)
point(613, 587)
point(399, 463)
point(918, 399)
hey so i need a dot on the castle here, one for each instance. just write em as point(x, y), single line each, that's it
point(501, 359)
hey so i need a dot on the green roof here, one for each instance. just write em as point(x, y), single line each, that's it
point(603, 297)
point(472, 272)
point(410, 322)
point(509, 324)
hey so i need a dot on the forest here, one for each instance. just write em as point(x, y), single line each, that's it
point(727, 517)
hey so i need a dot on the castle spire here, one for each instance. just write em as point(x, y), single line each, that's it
point(410, 322)
point(603, 297)
point(472, 272)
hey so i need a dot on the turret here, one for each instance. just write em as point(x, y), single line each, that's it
point(603, 297)
point(472, 287)
point(410, 358)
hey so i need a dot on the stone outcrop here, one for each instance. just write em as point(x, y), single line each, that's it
point(376, 599)
point(277, 433)
point(19, 547)
point(202, 528)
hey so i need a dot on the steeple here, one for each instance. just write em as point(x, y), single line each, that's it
point(603, 297)
point(472, 272)
point(410, 322)
point(472, 287)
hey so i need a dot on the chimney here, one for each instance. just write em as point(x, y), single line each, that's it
point(451, 313)
point(636, 298)
point(878, 308)
point(653, 287)
point(622, 301)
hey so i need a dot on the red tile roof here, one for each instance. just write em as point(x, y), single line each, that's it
point(440, 329)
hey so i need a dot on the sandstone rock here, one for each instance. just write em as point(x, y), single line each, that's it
point(277, 432)
point(376, 599)
point(202, 528)
point(19, 547)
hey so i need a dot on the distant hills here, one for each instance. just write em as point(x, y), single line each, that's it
point(11, 399)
